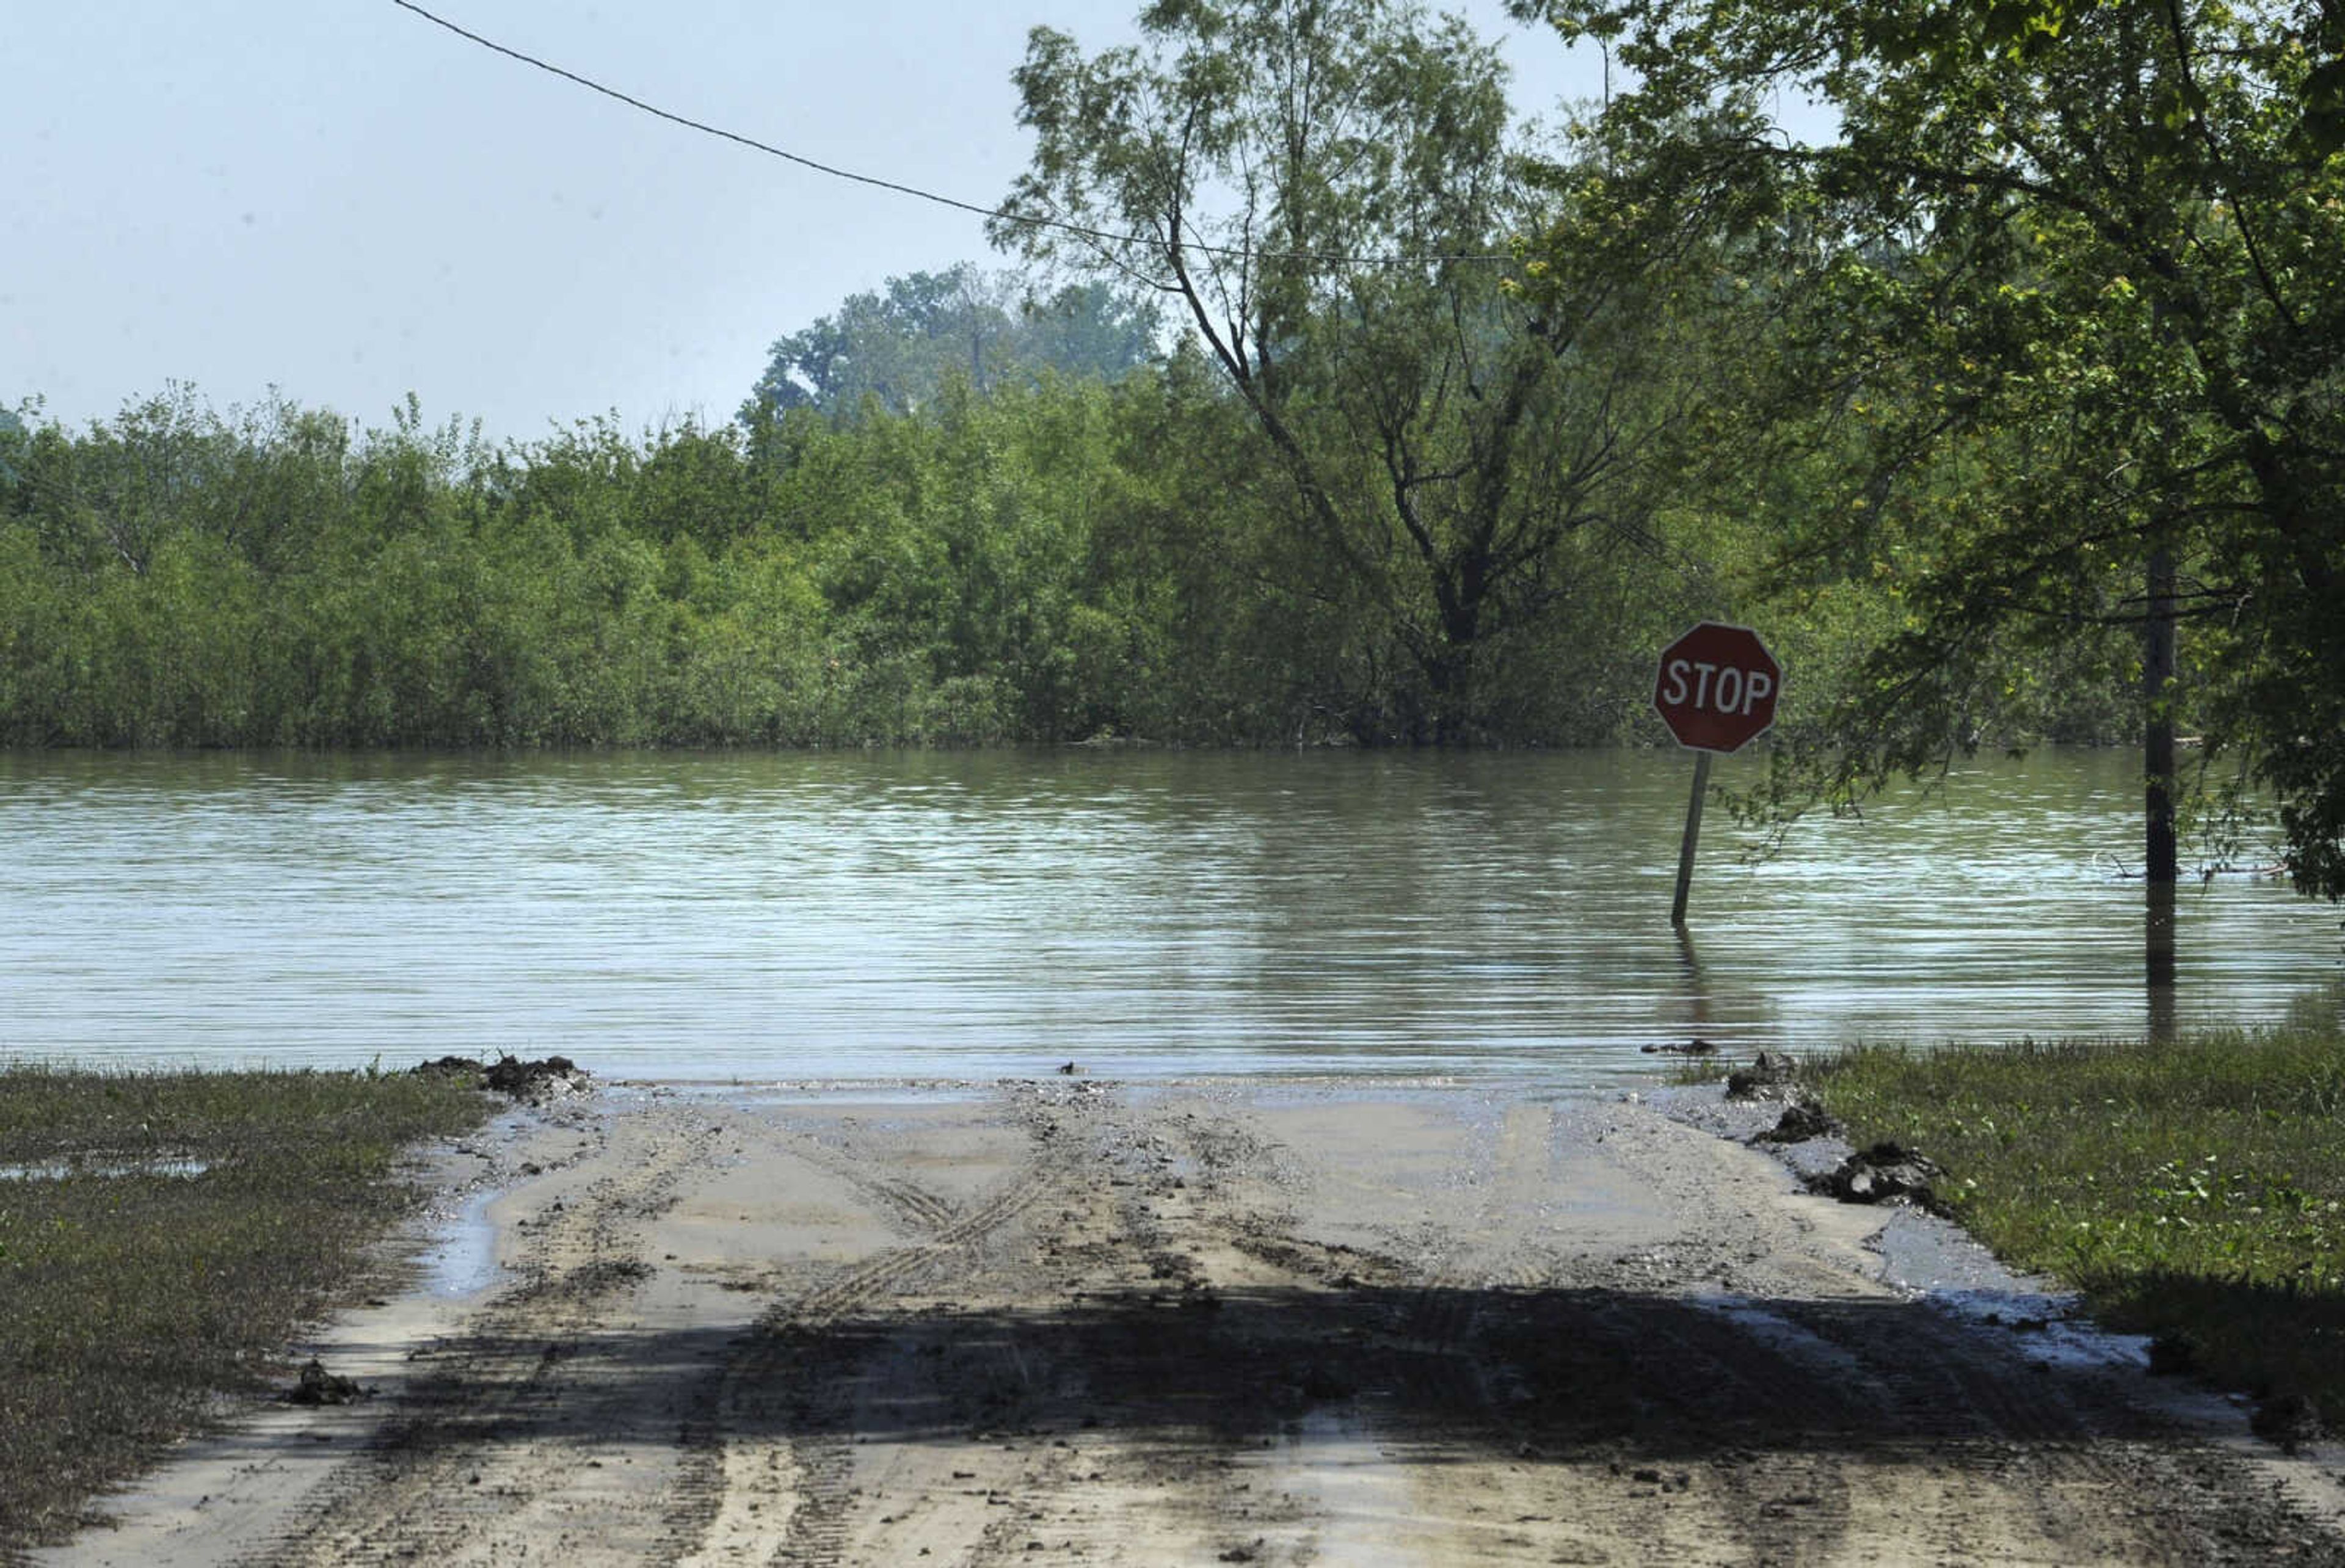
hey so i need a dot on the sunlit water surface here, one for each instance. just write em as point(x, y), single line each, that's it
point(969, 915)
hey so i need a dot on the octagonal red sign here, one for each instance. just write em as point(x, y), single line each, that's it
point(1717, 687)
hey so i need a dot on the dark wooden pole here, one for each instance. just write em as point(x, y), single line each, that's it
point(2162, 861)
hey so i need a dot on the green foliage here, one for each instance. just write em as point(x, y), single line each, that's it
point(902, 348)
point(1053, 560)
point(1325, 192)
point(2192, 1188)
point(15, 443)
point(2055, 304)
point(1925, 431)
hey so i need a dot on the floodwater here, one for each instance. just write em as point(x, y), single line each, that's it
point(967, 916)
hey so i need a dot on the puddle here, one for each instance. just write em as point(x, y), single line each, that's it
point(1940, 1263)
point(461, 1260)
point(1359, 1501)
point(1933, 1260)
point(1788, 1338)
point(61, 1170)
point(809, 1091)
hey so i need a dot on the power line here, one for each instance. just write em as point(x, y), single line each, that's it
point(1001, 214)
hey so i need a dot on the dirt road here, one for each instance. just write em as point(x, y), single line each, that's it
point(1067, 1321)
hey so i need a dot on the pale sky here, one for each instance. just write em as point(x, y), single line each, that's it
point(340, 199)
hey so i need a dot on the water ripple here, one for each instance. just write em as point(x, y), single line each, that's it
point(867, 915)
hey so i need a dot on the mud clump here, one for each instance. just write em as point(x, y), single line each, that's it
point(1694, 1047)
point(2290, 1419)
point(1802, 1120)
point(1884, 1173)
point(1771, 1075)
point(549, 1078)
point(317, 1386)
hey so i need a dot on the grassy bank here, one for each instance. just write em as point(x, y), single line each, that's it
point(162, 1235)
point(2194, 1189)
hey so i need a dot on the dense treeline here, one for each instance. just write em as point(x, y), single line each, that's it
point(1056, 562)
point(1338, 416)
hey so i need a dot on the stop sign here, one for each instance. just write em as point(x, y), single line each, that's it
point(1717, 687)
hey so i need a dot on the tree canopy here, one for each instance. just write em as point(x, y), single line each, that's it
point(900, 346)
point(2061, 296)
point(1327, 195)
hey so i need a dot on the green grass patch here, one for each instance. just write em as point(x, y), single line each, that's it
point(2194, 1188)
point(162, 1237)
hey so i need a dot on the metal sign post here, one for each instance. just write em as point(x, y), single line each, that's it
point(1692, 836)
point(1715, 689)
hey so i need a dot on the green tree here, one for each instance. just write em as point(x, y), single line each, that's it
point(2062, 287)
point(16, 441)
point(901, 348)
point(1324, 191)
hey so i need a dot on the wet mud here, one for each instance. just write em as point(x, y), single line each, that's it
point(1072, 1322)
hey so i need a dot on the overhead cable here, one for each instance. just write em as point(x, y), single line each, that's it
point(996, 214)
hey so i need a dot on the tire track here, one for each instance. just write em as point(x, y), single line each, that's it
point(745, 1470)
point(439, 1477)
point(1183, 1328)
point(921, 1208)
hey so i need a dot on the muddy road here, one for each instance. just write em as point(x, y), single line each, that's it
point(1067, 1321)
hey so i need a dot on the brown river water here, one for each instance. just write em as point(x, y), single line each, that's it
point(881, 916)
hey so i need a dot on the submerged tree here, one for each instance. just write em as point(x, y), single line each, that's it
point(1324, 192)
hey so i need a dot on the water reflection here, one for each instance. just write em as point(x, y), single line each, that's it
point(807, 915)
point(1695, 985)
point(2161, 955)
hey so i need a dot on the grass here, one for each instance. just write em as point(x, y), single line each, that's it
point(2194, 1189)
point(178, 1230)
